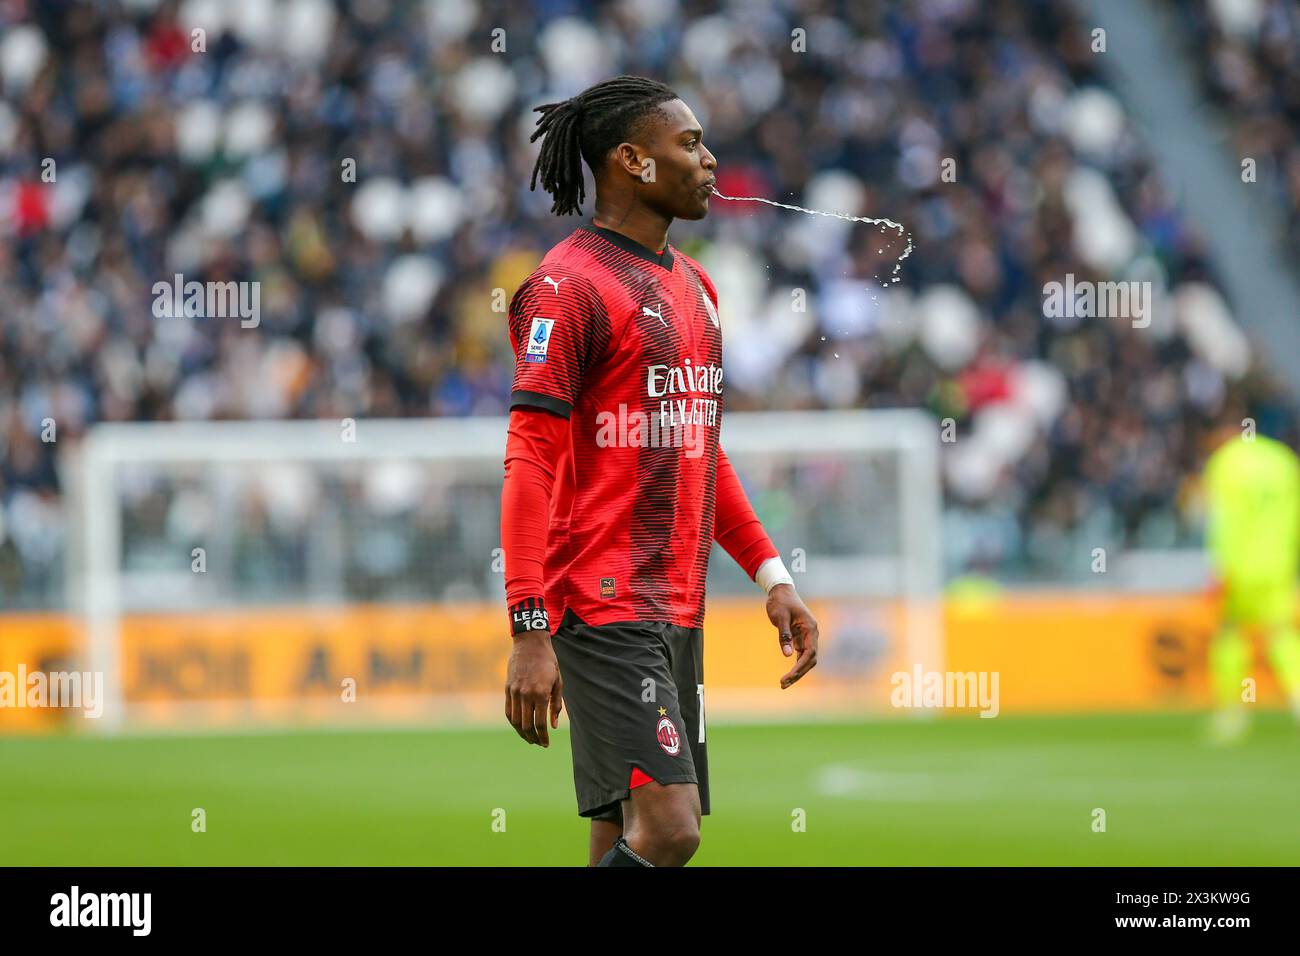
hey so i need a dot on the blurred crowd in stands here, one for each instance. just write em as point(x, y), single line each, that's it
point(368, 164)
point(1248, 55)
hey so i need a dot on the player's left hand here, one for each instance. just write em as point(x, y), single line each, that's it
point(796, 629)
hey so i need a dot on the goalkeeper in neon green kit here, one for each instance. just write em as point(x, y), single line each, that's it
point(1252, 486)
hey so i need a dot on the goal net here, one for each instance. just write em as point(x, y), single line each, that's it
point(287, 572)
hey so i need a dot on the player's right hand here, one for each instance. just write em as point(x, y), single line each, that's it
point(532, 684)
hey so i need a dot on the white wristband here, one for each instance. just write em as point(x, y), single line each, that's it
point(771, 573)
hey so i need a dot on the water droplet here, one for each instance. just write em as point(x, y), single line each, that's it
point(882, 224)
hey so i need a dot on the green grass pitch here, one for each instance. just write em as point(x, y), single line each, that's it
point(958, 791)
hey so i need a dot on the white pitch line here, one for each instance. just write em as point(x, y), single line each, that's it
point(1025, 784)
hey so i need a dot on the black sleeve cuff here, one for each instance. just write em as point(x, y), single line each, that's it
point(539, 400)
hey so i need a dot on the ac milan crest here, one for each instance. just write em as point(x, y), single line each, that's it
point(668, 738)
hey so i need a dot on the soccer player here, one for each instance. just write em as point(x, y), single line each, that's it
point(1252, 486)
point(615, 486)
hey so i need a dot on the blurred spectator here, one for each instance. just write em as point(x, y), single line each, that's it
point(1248, 54)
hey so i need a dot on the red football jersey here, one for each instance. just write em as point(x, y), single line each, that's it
point(626, 344)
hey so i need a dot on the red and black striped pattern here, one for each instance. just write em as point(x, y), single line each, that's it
point(631, 525)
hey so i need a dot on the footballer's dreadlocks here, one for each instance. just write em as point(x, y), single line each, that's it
point(589, 125)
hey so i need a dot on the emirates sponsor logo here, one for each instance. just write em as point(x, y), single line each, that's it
point(664, 380)
point(678, 422)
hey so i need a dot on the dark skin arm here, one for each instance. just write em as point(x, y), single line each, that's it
point(532, 684)
point(796, 630)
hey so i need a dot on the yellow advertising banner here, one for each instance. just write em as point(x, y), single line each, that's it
point(32, 643)
point(1018, 653)
point(1069, 653)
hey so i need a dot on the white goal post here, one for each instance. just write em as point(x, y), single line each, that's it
point(202, 517)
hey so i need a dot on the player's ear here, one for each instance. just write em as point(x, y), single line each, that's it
point(629, 159)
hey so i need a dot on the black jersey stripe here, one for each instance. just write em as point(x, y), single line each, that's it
point(550, 403)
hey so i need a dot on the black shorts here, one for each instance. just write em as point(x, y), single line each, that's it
point(634, 693)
